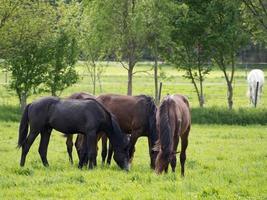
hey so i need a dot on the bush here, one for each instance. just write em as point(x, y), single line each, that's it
point(10, 113)
point(213, 115)
point(216, 115)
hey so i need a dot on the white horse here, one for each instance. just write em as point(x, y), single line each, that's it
point(254, 76)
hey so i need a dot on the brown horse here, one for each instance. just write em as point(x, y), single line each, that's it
point(173, 121)
point(136, 115)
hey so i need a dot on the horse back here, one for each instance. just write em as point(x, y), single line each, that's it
point(182, 111)
point(130, 111)
point(81, 95)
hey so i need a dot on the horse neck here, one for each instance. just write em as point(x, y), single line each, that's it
point(114, 133)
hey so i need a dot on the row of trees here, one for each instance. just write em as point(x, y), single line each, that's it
point(42, 40)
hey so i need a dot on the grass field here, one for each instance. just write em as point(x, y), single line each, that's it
point(223, 162)
point(226, 162)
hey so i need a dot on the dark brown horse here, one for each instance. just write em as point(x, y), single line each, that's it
point(136, 115)
point(173, 121)
point(69, 141)
point(70, 116)
point(79, 139)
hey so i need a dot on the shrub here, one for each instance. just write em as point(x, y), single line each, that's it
point(217, 115)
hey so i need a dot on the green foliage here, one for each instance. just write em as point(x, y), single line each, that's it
point(94, 41)
point(61, 73)
point(25, 37)
point(226, 37)
point(255, 17)
point(63, 49)
point(190, 48)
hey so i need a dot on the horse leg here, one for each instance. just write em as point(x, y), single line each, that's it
point(69, 145)
point(110, 152)
point(104, 148)
point(166, 168)
point(152, 154)
point(92, 149)
point(81, 147)
point(27, 145)
point(45, 136)
point(184, 139)
point(173, 160)
point(133, 140)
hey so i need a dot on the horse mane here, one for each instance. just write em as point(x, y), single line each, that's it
point(114, 123)
point(164, 144)
point(152, 112)
point(165, 128)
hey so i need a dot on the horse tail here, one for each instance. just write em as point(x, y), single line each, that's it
point(165, 137)
point(23, 127)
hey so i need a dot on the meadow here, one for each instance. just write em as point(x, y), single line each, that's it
point(223, 161)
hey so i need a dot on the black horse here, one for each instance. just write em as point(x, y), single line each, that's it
point(70, 116)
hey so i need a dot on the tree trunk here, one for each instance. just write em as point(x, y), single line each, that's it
point(156, 77)
point(94, 77)
point(201, 95)
point(130, 81)
point(230, 95)
point(99, 82)
point(53, 92)
point(23, 101)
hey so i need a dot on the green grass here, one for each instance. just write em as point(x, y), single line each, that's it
point(223, 162)
point(226, 162)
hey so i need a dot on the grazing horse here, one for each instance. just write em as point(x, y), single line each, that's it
point(79, 138)
point(254, 76)
point(71, 116)
point(69, 141)
point(136, 116)
point(173, 121)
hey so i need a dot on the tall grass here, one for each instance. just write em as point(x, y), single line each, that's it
point(218, 115)
point(210, 115)
point(9, 113)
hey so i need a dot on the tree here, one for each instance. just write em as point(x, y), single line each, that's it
point(158, 22)
point(190, 50)
point(25, 47)
point(125, 24)
point(8, 9)
point(255, 16)
point(63, 50)
point(60, 72)
point(129, 35)
point(226, 36)
point(259, 11)
point(94, 42)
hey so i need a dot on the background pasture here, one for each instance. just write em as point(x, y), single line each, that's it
point(114, 80)
point(223, 161)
